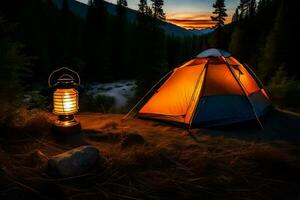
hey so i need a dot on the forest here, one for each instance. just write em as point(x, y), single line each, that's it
point(38, 37)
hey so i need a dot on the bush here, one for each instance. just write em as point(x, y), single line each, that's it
point(284, 92)
point(13, 65)
point(35, 100)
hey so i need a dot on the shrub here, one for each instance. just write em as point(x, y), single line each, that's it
point(285, 92)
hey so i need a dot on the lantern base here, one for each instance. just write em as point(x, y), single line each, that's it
point(66, 124)
point(66, 130)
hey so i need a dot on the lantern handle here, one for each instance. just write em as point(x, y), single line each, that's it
point(60, 69)
point(66, 76)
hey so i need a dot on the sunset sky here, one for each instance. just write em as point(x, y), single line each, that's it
point(188, 13)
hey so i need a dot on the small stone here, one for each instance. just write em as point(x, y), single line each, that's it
point(132, 139)
point(74, 162)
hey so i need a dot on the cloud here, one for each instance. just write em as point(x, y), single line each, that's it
point(192, 23)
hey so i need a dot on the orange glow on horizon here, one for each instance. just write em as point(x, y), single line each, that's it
point(190, 21)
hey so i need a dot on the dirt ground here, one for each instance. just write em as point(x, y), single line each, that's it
point(143, 159)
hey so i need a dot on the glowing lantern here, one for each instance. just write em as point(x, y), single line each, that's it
point(65, 97)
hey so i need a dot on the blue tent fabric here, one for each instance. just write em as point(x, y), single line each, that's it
point(220, 110)
point(229, 109)
point(213, 53)
point(260, 103)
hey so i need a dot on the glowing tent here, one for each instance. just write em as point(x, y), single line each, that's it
point(211, 90)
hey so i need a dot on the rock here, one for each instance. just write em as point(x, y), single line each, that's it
point(74, 162)
point(132, 139)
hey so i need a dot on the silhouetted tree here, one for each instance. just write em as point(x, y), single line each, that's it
point(262, 5)
point(149, 11)
point(252, 9)
point(276, 47)
point(244, 8)
point(220, 12)
point(122, 3)
point(95, 40)
point(235, 16)
point(13, 65)
point(157, 9)
point(142, 6)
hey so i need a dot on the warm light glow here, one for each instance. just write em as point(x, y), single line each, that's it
point(177, 97)
point(65, 101)
point(193, 20)
point(244, 76)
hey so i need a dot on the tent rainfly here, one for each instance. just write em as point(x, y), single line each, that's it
point(213, 89)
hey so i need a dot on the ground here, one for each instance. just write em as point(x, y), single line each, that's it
point(144, 159)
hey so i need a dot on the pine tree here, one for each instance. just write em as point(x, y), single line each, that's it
point(122, 3)
point(143, 6)
point(262, 4)
point(95, 40)
point(235, 16)
point(13, 65)
point(275, 50)
point(149, 11)
point(252, 8)
point(220, 12)
point(244, 5)
point(157, 7)
point(235, 42)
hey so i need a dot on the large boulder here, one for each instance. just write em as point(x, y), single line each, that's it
point(74, 162)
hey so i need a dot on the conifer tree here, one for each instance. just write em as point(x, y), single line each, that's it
point(220, 12)
point(149, 11)
point(235, 16)
point(244, 8)
point(122, 3)
point(252, 8)
point(157, 9)
point(95, 38)
point(262, 4)
point(275, 50)
point(143, 6)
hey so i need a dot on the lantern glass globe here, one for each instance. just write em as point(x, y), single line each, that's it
point(65, 101)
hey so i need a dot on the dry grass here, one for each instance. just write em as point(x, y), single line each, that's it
point(168, 165)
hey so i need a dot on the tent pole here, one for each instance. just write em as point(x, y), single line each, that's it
point(141, 100)
point(244, 91)
point(200, 95)
point(257, 79)
point(194, 91)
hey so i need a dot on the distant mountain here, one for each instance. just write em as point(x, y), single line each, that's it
point(81, 10)
point(202, 31)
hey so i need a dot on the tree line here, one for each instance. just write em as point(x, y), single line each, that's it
point(263, 34)
point(37, 37)
point(101, 47)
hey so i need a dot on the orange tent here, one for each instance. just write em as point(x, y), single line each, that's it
point(212, 89)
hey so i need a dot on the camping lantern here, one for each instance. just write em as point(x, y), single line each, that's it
point(65, 97)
